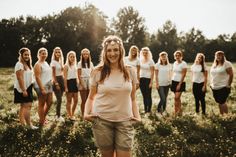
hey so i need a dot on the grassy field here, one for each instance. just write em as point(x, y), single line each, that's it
point(187, 136)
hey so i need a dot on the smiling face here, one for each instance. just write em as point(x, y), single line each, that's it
point(26, 56)
point(219, 57)
point(57, 54)
point(113, 53)
point(43, 55)
point(85, 55)
point(134, 52)
point(71, 58)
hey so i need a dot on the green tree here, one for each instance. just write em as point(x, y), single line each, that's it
point(192, 43)
point(166, 39)
point(130, 27)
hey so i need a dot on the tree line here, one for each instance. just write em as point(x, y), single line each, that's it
point(79, 27)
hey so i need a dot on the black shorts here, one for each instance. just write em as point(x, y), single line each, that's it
point(174, 85)
point(72, 86)
point(221, 95)
point(19, 98)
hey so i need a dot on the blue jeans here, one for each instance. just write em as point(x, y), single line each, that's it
point(163, 93)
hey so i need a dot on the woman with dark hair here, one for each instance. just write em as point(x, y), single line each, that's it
point(23, 86)
point(221, 80)
point(85, 67)
point(111, 104)
point(199, 79)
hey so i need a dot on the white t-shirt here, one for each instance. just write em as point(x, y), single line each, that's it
point(57, 66)
point(219, 76)
point(85, 72)
point(177, 70)
point(198, 75)
point(145, 69)
point(27, 74)
point(134, 63)
point(46, 74)
point(164, 74)
point(113, 101)
point(72, 72)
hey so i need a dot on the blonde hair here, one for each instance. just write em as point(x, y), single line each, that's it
point(167, 59)
point(68, 61)
point(20, 58)
point(215, 63)
point(104, 65)
point(130, 51)
point(83, 51)
point(61, 59)
point(40, 51)
point(149, 53)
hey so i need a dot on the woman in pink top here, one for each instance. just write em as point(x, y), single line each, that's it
point(111, 104)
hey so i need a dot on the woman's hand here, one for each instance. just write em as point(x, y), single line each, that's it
point(90, 117)
point(136, 119)
point(25, 94)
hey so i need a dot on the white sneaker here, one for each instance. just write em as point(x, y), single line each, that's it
point(60, 119)
point(32, 127)
point(164, 113)
point(159, 115)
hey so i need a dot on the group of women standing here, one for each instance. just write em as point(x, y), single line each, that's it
point(108, 91)
point(68, 78)
point(173, 77)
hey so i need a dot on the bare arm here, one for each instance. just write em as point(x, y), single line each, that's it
point(231, 75)
point(20, 78)
point(37, 73)
point(205, 80)
point(89, 104)
point(65, 72)
point(152, 76)
point(135, 107)
point(156, 75)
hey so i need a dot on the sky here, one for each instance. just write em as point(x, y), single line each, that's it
point(212, 17)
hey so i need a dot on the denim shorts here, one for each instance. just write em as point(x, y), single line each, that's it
point(47, 87)
point(85, 83)
point(113, 135)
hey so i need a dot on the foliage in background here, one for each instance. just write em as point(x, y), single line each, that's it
point(78, 27)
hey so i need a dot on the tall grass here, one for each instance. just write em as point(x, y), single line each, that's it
point(188, 135)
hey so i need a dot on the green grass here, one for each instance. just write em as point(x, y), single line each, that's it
point(185, 136)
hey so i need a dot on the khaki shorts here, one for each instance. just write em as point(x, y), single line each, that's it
point(113, 135)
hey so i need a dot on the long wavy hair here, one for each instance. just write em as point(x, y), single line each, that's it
point(216, 62)
point(82, 60)
point(20, 58)
point(130, 52)
point(104, 65)
point(68, 63)
point(61, 59)
point(203, 64)
point(149, 54)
